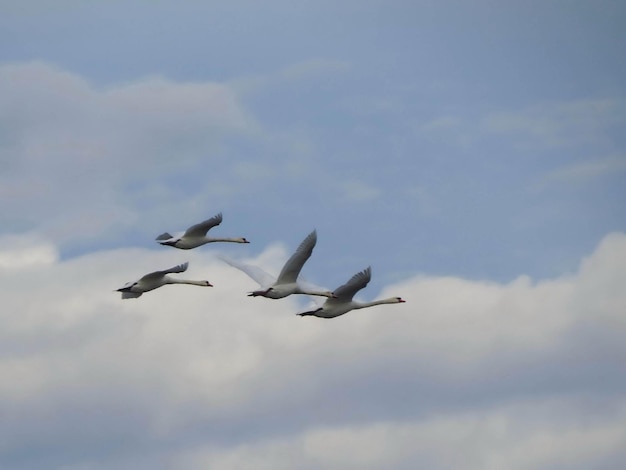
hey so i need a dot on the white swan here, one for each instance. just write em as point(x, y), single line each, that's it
point(152, 281)
point(196, 236)
point(287, 281)
point(343, 303)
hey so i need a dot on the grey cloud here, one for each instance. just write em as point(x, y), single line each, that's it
point(564, 124)
point(214, 378)
point(80, 159)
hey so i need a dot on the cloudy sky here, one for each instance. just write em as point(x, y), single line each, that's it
point(472, 153)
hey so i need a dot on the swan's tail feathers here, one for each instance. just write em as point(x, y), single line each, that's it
point(164, 236)
point(131, 295)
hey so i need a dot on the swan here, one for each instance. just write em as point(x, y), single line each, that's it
point(151, 281)
point(286, 283)
point(195, 235)
point(343, 303)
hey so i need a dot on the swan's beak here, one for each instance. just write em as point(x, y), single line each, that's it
point(245, 240)
point(208, 284)
point(401, 301)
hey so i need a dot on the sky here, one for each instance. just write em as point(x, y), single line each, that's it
point(472, 153)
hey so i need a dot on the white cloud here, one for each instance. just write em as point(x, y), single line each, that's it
point(26, 251)
point(297, 72)
point(519, 436)
point(559, 124)
point(358, 191)
point(585, 171)
point(79, 160)
point(513, 373)
point(441, 124)
point(545, 126)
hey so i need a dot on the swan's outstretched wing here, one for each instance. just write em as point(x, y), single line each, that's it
point(293, 266)
point(357, 282)
point(156, 274)
point(262, 277)
point(200, 230)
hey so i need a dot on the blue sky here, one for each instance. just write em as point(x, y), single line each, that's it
point(470, 151)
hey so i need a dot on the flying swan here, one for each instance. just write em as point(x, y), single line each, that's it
point(132, 290)
point(196, 235)
point(287, 282)
point(343, 303)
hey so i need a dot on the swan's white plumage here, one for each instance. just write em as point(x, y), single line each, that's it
point(196, 235)
point(342, 301)
point(156, 279)
point(287, 281)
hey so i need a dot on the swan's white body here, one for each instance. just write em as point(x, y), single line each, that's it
point(343, 303)
point(287, 281)
point(196, 235)
point(151, 281)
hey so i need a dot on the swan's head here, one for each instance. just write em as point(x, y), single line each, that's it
point(400, 300)
point(243, 240)
point(207, 284)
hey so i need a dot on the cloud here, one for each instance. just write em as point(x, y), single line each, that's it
point(584, 123)
point(520, 436)
point(585, 171)
point(79, 160)
point(317, 69)
point(354, 190)
point(564, 124)
point(441, 124)
point(26, 251)
point(198, 377)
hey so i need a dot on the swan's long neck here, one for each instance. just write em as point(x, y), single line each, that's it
point(230, 239)
point(390, 300)
point(319, 293)
point(188, 281)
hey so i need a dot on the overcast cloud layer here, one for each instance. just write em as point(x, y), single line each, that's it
point(465, 374)
point(472, 153)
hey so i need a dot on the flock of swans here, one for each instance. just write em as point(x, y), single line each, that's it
point(338, 302)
